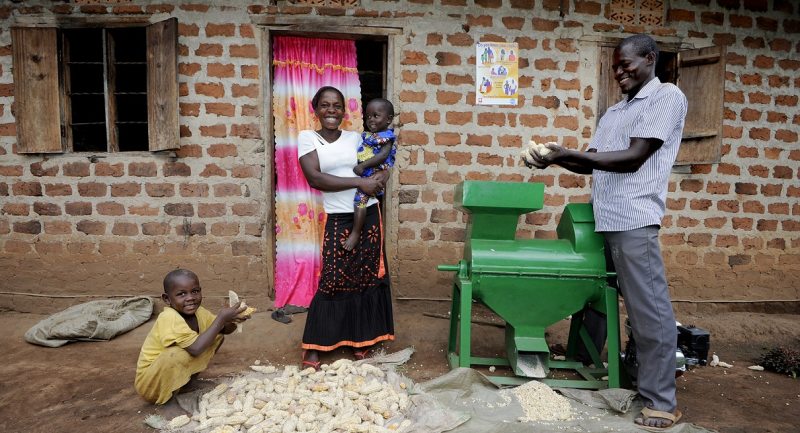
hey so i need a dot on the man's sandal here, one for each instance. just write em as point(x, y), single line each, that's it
point(648, 414)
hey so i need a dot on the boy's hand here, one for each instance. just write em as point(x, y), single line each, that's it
point(229, 314)
point(359, 170)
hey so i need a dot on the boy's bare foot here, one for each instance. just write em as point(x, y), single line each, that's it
point(351, 241)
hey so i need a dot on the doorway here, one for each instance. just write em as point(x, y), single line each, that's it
point(372, 53)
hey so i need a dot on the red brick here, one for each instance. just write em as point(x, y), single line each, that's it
point(731, 206)
point(28, 227)
point(245, 209)
point(490, 159)
point(782, 172)
point(110, 208)
point(214, 90)
point(246, 171)
point(562, 84)
point(544, 64)
point(218, 131)
point(447, 98)
point(11, 170)
point(715, 222)
point(194, 190)
point(410, 137)
point(533, 120)
point(245, 248)
point(566, 122)
point(193, 229)
point(188, 69)
point(18, 209)
point(220, 109)
point(91, 227)
point(227, 190)
point(430, 117)
point(409, 76)
point(58, 189)
point(106, 169)
point(128, 189)
point(491, 119)
point(209, 50)
point(248, 91)
point(27, 189)
point(144, 209)
point(753, 206)
point(767, 24)
point(414, 58)
point(447, 138)
point(38, 169)
point(479, 20)
point(211, 210)
point(251, 110)
point(42, 208)
point(458, 117)
point(250, 130)
point(250, 71)
point(155, 229)
point(125, 229)
point(186, 109)
point(513, 23)
point(734, 97)
point(772, 190)
point(750, 115)
point(92, 189)
point(718, 187)
point(142, 169)
point(762, 134)
point(179, 209)
point(446, 178)
point(220, 30)
point(778, 208)
point(188, 29)
point(478, 140)
point(786, 136)
point(176, 169)
point(713, 18)
point(766, 225)
point(246, 51)
point(160, 189)
point(222, 150)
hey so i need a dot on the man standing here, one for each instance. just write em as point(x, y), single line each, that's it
point(630, 158)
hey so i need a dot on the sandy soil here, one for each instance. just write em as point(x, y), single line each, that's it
point(87, 387)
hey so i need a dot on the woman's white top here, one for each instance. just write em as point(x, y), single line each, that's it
point(337, 159)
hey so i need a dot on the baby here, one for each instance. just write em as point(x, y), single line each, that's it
point(183, 339)
point(375, 153)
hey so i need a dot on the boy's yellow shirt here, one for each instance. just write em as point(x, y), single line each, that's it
point(171, 329)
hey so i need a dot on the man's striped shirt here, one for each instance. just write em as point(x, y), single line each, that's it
point(627, 201)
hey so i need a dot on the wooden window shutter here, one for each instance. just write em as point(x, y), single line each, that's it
point(162, 85)
point(610, 92)
point(36, 91)
point(701, 77)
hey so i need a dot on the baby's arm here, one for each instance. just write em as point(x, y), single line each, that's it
point(225, 320)
point(376, 160)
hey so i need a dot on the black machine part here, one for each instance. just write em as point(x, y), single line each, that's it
point(692, 349)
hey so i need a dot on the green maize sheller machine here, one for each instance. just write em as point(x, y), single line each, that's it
point(531, 284)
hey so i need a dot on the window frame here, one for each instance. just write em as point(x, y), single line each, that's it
point(42, 114)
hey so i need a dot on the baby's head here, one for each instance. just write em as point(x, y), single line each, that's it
point(182, 291)
point(379, 114)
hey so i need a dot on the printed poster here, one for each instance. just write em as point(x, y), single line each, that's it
point(497, 75)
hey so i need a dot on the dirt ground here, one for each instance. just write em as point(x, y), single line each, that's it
point(88, 387)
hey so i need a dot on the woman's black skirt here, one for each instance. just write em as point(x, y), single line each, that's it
point(353, 303)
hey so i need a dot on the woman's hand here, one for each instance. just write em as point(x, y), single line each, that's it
point(372, 185)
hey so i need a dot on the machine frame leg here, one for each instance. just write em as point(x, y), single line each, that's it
point(459, 345)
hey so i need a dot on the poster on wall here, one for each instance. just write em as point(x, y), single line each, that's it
point(497, 74)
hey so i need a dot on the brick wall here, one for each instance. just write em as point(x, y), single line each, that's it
point(114, 226)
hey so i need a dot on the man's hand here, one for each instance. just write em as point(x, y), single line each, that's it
point(544, 159)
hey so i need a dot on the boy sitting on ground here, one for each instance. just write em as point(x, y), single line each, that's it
point(183, 339)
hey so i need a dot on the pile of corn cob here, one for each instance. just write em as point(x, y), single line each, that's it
point(341, 397)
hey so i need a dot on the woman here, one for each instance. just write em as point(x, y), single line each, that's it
point(353, 305)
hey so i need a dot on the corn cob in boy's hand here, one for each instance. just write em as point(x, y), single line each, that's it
point(233, 299)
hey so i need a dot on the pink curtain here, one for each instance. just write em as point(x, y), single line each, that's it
point(301, 67)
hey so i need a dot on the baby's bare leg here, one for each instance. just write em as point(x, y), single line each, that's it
point(359, 215)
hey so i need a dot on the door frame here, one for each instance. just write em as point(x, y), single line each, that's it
point(323, 27)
